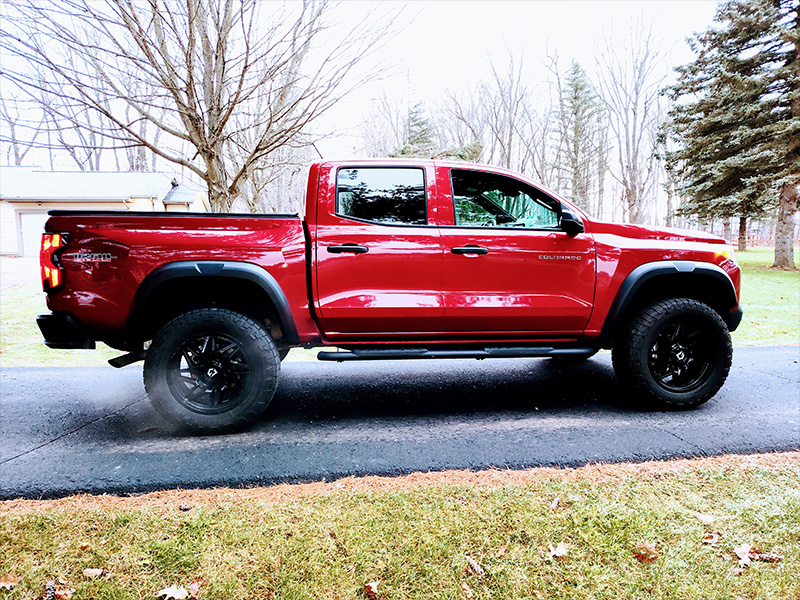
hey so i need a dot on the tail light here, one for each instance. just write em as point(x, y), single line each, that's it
point(52, 274)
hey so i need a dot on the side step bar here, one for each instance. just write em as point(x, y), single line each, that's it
point(409, 353)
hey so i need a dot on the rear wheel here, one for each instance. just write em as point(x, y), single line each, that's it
point(676, 352)
point(211, 370)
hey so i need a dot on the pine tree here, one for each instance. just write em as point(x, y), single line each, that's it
point(420, 135)
point(734, 122)
point(580, 120)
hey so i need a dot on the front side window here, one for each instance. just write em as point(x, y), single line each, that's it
point(490, 200)
point(387, 195)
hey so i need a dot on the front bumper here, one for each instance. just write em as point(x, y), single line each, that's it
point(735, 318)
point(62, 330)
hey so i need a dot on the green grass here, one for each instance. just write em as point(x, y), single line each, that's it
point(417, 542)
point(771, 301)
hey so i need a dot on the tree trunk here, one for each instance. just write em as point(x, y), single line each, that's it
point(784, 231)
point(742, 234)
point(726, 229)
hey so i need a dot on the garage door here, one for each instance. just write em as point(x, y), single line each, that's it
point(32, 229)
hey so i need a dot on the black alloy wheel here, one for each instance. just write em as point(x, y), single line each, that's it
point(208, 373)
point(682, 356)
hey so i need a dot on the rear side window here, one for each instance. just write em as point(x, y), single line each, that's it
point(394, 196)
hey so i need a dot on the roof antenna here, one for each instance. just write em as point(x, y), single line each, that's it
point(318, 152)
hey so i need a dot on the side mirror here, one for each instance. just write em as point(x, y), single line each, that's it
point(571, 223)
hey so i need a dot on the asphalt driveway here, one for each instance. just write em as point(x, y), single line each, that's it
point(66, 430)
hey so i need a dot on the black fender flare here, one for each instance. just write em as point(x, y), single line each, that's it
point(218, 268)
point(648, 271)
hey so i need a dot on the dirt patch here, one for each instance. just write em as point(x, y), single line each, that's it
point(175, 499)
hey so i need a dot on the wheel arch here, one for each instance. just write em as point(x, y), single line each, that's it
point(651, 282)
point(184, 285)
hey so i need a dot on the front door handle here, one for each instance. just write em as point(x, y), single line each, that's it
point(348, 248)
point(469, 249)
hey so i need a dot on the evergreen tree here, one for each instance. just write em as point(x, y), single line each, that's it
point(422, 140)
point(580, 119)
point(420, 135)
point(736, 120)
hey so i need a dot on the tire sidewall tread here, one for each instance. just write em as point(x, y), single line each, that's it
point(262, 358)
point(630, 353)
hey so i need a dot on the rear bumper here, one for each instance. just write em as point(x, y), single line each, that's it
point(735, 318)
point(62, 330)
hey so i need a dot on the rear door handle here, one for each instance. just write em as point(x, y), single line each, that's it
point(348, 248)
point(469, 249)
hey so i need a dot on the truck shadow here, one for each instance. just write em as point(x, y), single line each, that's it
point(391, 389)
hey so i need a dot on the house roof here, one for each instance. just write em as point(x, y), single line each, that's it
point(34, 184)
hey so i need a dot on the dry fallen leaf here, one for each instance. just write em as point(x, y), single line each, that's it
point(712, 538)
point(474, 567)
point(173, 592)
point(194, 589)
point(466, 588)
point(84, 546)
point(560, 550)
point(92, 573)
point(743, 554)
point(9, 581)
point(645, 552)
point(765, 556)
point(707, 519)
point(371, 589)
point(503, 549)
point(63, 593)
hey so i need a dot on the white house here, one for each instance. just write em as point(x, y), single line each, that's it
point(27, 193)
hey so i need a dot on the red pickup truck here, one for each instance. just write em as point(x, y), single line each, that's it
point(393, 260)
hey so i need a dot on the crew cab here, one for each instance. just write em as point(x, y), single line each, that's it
point(394, 259)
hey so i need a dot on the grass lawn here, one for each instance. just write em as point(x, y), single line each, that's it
point(428, 536)
point(771, 300)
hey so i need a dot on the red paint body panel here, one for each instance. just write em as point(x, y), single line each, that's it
point(532, 286)
point(101, 294)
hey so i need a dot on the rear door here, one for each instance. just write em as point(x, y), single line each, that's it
point(378, 252)
point(508, 266)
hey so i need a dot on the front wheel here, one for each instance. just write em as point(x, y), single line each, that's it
point(211, 370)
point(676, 352)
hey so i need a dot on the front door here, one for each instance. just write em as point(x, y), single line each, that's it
point(378, 255)
point(508, 266)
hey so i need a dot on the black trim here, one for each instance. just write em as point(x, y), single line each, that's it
point(209, 268)
point(348, 248)
point(469, 249)
point(64, 331)
point(417, 353)
point(735, 318)
point(643, 273)
point(130, 213)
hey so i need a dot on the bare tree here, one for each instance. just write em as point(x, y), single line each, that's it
point(630, 80)
point(506, 96)
point(21, 126)
point(385, 128)
point(209, 75)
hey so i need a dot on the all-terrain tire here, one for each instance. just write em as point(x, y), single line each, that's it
point(211, 370)
point(676, 352)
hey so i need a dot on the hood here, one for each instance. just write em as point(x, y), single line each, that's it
point(656, 233)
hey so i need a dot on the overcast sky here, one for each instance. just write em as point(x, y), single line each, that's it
point(444, 45)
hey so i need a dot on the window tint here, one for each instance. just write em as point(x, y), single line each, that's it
point(490, 200)
point(382, 195)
